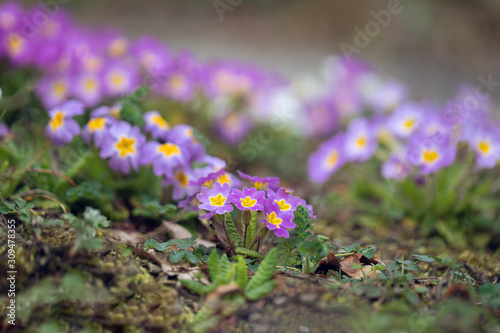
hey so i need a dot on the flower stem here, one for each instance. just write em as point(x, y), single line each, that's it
point(245, 236)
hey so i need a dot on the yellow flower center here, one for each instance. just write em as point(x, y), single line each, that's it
point(408, 124)
point(126, 146)
point(248, 202)
point(115, 112)
point(219, 200)
point(332, 159)
point(15, 44)
point(258, 184)
point(177, 82)
point(159, 121)
point(182, 178)
point(169, 149)
point(484, 147)
point(283, 205)
point(209, 183)
point(117, 79)
point(90, 84)
point(96, 124)
point(361, 141)
point(57, 121)
point(59, 88)
point(430, 156)
point(224, 179)
point(118, 47)
point(273, 219)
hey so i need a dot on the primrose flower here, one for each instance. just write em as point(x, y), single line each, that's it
point(110, 112)
point(53, 90)
point(184, 135)
point(233, 127)
point(215, 200)
point(180, 182)
point(261, 183)
point(405, 120)
point(151, 54)
point(277, 220)
point(96, 129)
point(181, 79)
point(396, 168)
point(285, 200)
point(322, 117)
point(165, 157)
point(209, 179)
point(486, 143)
point(430, 153)
point(87, 87)
point(62, 127)
point(120, 78)
point(326, 160)
point(122, 143)
point(360, 143)
point(250, 199)
point(156, 125)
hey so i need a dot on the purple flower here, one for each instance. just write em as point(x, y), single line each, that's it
point(164, 157)
point(277, 220)
point(486, 143)
point(326, 160)
point(322, 116)
point(4, 130)
point(184, 135)
point(122, 144)
point(156, 125)
point(430, 153)
point(233, 127)
point(53, 90)
point(360, 143)
point(119, 78)
point(181, 79)
point(181, 183)
point(405, 120)
point(62, 127)
point(87, 88)
point(250, 199)
point(261, 183)
point(285, 200)
point(110, 112)
point(209, 179)
point(151, 54)
point(396, 168)
point(215, 200)
point(96, 129)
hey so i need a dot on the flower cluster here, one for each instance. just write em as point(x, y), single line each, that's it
point(422, 136)
point(278, 206)
point(90, 66)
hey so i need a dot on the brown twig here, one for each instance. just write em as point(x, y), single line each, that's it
point(56, 173)
point(48, 198)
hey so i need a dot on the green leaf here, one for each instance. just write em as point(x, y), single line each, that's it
point(240, 272)
point(214, 266)
point(94, 217)
point(53, 223)
point(284, 249)
point(247, 252)
point(175, 257)
point(252, 228)
point(225, 272)
point(425, 258)
point(195, 286)
point(264, 273)
point(260, 291)
point(191, 257)
point(234, 236)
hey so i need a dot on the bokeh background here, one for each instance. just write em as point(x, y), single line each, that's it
point(432, 46)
